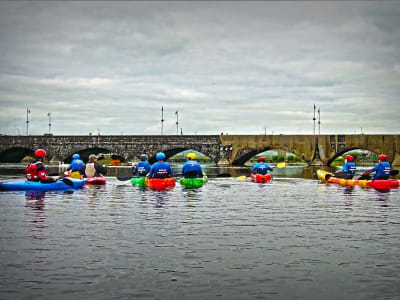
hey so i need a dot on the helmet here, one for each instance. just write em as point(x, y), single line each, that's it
point(261, 159)
point(349, 158)
point(383, 157)
point(76, 156)
point(143, 157)
point(192, 155)
point(160, 156)
point(92, 157)
point(40, 153)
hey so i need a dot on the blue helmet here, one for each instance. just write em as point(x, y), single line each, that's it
point(76, 156)
point(160, 156)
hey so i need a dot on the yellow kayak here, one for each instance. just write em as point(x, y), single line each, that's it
point(325, 177)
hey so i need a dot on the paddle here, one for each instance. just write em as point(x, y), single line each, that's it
point(125, 178)
point(281, 165)
point(394, 172)
point(67, 181)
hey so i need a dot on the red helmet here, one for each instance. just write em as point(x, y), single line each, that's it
point(349, 158)
point(383, 157)
point(261, 159)
point(40, 153)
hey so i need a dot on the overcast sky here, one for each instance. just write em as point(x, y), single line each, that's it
point(235, 67)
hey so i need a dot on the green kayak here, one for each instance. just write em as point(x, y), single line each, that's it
point(138, 181)
point(194, 182)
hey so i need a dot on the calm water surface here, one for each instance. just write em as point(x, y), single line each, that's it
point(293, 238)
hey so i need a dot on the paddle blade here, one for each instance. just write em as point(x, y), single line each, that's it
point(241, 177)
point(224, 175)
point(124, 178)
point(281, 165)
point(67, 181)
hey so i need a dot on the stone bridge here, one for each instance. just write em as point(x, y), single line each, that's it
point(230, 149)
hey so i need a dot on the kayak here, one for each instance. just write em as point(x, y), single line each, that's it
point(261, 178)
point(138, 181)
point(194, 182)
point(160, 183)
point(325, 176)
point(38, 186)
point(99, 180)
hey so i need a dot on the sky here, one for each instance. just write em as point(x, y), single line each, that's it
point(236, 67)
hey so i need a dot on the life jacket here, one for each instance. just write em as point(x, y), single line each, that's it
point(31, 172)
point(90, 170)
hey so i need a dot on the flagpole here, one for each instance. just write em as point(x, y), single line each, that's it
point(319, 121)
point(177, 123)
point(27, 121)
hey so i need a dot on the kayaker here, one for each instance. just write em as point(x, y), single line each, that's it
point(160, 169)
point(261, 167)
point(191, 168)
point(143, 167)
point(75, 167)
point(36, 171)
point(93, 168)
point(382, 169)
point(348, 170)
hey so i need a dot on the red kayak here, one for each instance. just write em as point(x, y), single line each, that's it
point(261, 178)
point(99, 180)
point(383, 184)
point(160, 183)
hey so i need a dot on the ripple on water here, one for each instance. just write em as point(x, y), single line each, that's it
point(231, 239)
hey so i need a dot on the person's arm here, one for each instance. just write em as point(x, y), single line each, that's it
point(43, 178)
point(101, 169)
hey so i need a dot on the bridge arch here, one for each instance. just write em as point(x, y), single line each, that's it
point(343, 151)
point(15, 154)
point(85, 152)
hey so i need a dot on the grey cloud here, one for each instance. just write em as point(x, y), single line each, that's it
point(227, 66)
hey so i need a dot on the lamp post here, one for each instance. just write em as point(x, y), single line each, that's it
point(49, 115)
point(314, 120)
point(177, 123)
point(27, 120)
point(162, 120)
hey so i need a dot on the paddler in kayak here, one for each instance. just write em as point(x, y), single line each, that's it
point(75, 167)
point(261, 167)
point(191, 168)
point(93, 168)
point(36, 171)
point(160, 169)
point(382, 169)
point(143, 167)
point(348, 170)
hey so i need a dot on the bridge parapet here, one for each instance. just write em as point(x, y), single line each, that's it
point(235, 149)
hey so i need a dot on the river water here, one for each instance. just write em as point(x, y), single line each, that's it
point(292, 238)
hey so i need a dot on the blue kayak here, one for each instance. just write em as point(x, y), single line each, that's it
point(37, 186)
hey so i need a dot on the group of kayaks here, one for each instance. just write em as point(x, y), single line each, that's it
point(327, 177)
point(164, 183)
point(65, 183)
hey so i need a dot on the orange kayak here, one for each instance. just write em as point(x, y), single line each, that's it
point(261, 178)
